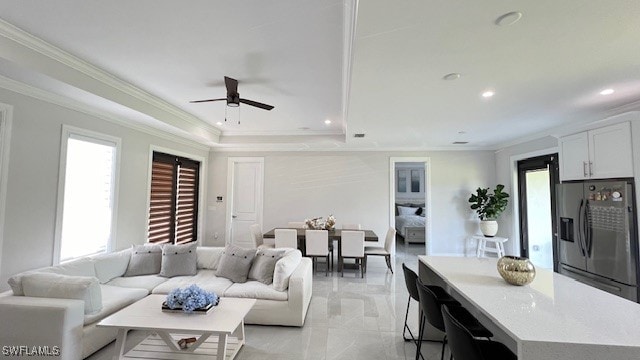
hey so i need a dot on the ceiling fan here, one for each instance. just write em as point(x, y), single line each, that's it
point(233, 97)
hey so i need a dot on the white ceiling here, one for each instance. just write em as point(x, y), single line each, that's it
point(547, 69)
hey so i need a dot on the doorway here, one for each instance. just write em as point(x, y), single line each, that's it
point(410, 199)
point(537, 179)
point(245, 188)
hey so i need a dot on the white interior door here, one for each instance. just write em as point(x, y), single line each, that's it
point(245, 199)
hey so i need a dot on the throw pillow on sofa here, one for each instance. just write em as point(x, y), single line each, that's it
point(111, 265)
point(46, 285)
point(235, 263)
point(208, 257)
point(80, 267)
point(179, 260)
point(264, 264)
point(284, 268)
point(145, 260)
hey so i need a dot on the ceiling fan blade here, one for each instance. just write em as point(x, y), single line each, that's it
point(256, 104)
point(231, 84)
point(200, 101)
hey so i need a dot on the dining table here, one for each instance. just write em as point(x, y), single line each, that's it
point(334, 235)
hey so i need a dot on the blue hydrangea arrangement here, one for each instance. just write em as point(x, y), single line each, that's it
point(191, 298)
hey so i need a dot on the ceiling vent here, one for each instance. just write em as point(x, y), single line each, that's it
point(360, 135)
point(460, 142)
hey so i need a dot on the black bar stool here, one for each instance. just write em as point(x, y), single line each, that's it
point(432, 298)
point(462, 343)
point(410, 278)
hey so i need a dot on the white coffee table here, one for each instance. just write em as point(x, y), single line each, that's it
point(220, 333)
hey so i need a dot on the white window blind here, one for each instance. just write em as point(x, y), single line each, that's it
point(89, 187)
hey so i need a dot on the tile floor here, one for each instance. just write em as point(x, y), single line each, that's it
point(349, 318)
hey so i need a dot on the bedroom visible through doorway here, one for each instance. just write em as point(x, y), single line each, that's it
point(409, 205)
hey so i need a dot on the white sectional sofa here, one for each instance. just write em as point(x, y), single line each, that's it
point(66, 324)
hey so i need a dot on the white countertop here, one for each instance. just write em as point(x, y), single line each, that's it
point(552, 309)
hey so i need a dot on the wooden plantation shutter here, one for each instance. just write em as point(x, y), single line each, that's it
point(187, 202)
point(173, 208)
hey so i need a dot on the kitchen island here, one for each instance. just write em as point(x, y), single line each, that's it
point(554, 317)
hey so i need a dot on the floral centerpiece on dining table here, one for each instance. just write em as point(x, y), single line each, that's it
point(190, 299)
point(318, 224)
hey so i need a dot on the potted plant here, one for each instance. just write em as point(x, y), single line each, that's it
point(489, 207)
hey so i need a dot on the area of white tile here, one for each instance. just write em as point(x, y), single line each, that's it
point(349, 318)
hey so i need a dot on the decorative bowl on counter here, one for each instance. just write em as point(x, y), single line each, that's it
point(516, 270)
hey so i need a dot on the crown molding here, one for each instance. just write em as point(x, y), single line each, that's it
point(63, 101)
point(40, 46)
point(233, 133)
point(301, 147)
point(350, 21)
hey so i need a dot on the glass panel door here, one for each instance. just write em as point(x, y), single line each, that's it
point(539, 218)
point(536, 180)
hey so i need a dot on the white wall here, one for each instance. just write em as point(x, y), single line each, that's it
point(504, 175)
point(354, 187)
point(33, 180)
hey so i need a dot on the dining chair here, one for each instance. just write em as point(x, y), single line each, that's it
point(297, 225)
point(317, 246)
point(462, 343)
point(385, 251)
point(431, 299)
point(352, 247)
point(256, 234)
point(286, 238)
point(351, 227)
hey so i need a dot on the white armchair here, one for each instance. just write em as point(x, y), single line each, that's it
point(352, 247)
point(286, 238)
point(297, 225)
point(317, 246)
point(256, 234)
point(382, 251)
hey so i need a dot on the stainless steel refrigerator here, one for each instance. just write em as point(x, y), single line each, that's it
point(598, 242)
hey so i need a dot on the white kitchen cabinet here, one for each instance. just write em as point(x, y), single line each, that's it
point(597, 154)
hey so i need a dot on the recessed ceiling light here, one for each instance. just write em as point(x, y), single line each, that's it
point(460, 142)
point(461, 132)
point(488, 93)
point(219, 123)
point(358, 135)
point(508, 18)
point(606, 92)
point(451, 76)
point(327, 122)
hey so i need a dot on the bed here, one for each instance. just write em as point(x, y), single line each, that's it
point(410, 222)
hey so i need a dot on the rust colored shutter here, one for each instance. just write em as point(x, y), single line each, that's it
point(187, 202)
point(173, 208)
point(161, 203)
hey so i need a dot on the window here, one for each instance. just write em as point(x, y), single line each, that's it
point(88, 179)
point(173, 204)
point(416, 181)
point(409, 181)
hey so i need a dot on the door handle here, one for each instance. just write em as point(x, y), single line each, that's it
point(580, 228)
point(234, 216)
point(587, 230)
point(584, 168)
